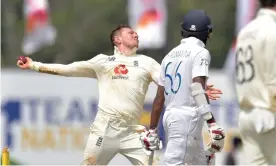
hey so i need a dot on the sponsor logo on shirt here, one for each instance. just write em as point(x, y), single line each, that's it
point(99, 141)
point(136, 63)
point(120, 72)
point(111, 59)
point(204, 62)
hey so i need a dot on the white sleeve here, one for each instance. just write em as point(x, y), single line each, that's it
point(201, 64)
point(161, 81)
point(75, 69)
point(155, 71)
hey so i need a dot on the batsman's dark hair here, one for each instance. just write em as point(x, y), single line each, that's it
point(267, 3)
point(115, 31)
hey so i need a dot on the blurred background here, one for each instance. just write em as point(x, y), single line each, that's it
point(45, 119)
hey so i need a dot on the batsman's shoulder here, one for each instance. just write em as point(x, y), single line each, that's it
point(203, 53)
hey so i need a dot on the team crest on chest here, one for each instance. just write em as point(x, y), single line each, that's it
point(135, 63)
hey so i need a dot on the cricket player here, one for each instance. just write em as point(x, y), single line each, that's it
point(256, 85)
point(123, 80)
point(184, 72)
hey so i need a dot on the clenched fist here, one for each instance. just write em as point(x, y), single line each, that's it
point(24, 62)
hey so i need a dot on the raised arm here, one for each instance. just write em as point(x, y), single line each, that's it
point(75, 69)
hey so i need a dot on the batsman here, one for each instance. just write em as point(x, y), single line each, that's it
point(182, 88)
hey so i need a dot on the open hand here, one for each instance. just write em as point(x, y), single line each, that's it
point(213, 93)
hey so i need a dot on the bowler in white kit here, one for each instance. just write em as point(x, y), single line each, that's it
point(123, 78)
point(184, 72)
point(256, 86)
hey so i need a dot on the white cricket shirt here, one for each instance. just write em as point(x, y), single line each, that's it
point(123, 80)
point(188, 60)
point(256, 62)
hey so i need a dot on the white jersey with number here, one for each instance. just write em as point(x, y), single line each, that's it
point(183, 63)
point(123, 80)
point(256, 62)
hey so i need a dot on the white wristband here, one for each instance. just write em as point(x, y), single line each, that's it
point(35, 66)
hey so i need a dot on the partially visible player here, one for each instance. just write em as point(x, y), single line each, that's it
point(256, 85)
point(123, 80)
point(184, 72)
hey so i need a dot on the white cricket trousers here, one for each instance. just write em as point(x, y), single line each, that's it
point(183, 130)
point(110, 135)
point(258, 134)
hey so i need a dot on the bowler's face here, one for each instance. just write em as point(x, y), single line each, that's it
point(129, 38)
